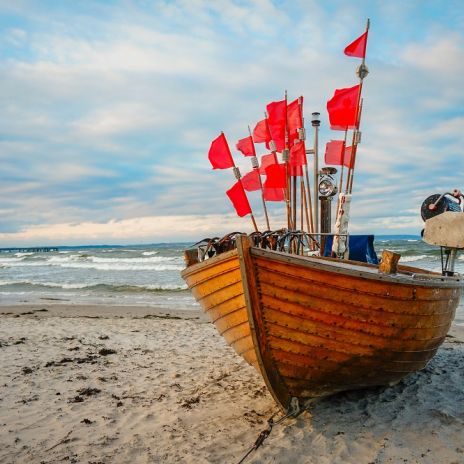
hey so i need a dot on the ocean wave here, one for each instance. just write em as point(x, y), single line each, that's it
point(149, 253)
point(11, 260)
point(408, 259)
point(122, 266)
point(154, 259)
point(101, 287)
point(83, 261)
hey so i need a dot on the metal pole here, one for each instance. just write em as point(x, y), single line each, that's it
point(315, 121)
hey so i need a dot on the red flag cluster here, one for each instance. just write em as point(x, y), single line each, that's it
point(281, 130)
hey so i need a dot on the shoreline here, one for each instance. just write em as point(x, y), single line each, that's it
point(99, 311)
point(100, 384)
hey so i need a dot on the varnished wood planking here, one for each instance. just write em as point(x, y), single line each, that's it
point(315, 318)
point(218, 288)
point(311, 298)
point(326, 279)
point(319, 331)
point(335, 352)
point(306, 331)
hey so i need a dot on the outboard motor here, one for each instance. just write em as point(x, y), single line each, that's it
point(444, 226)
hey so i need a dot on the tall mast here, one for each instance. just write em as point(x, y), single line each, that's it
point(361, 72)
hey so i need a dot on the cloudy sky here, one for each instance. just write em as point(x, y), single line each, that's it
point(108, 109)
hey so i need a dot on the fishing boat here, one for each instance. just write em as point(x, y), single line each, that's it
point(312, 320)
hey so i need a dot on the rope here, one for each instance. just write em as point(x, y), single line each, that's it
point(293, 411)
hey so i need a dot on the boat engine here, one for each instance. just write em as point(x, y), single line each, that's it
point(444, 226)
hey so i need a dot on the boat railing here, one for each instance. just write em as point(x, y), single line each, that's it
point(294, 242)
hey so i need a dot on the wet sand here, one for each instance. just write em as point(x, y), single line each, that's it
point(96, 384)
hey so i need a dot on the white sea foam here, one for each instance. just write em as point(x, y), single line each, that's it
point(409, 259)
point(154, 259)
point(149, 253)
point(121, 266)
point(70, 286)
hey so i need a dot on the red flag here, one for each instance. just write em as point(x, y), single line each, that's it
point(267, 160)
point(250, 181)
point(239, 199)
point(294, 120)
point(276, 120)
point(342, 108)
point(334, 152)
point(297, 159)
point(246, 146)
point(276, 177)
point(298, 155)
point(337, 154)
point(348, 155)
point(274, 194)
point(219, 153)
point(357, 48)
point(261, 132)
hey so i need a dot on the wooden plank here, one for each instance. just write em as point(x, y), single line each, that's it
point(391, 312)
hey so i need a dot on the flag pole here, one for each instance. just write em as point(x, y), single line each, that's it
point(315, 121)
point(221, 157)
point(361, 72)
point(285, 159)
point(238, 176)
point(307, 203)
point(354, 147)
point(339, 246)
point(272, 147)
point(255, 165)
point(340, 183)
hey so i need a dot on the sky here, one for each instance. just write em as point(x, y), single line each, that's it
point(108, 109)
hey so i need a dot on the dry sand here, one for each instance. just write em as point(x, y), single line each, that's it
point(81, 384)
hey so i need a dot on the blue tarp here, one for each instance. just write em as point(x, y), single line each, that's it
point(361, 248)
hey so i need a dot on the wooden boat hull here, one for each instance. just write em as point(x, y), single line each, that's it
point(315, 326)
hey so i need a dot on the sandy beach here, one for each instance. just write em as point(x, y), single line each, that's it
point(100, 384)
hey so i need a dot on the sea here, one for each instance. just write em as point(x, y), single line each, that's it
point(142, 275)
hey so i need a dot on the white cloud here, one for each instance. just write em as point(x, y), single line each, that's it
point(119, 109)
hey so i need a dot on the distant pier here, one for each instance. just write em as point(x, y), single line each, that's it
point(28, 250)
